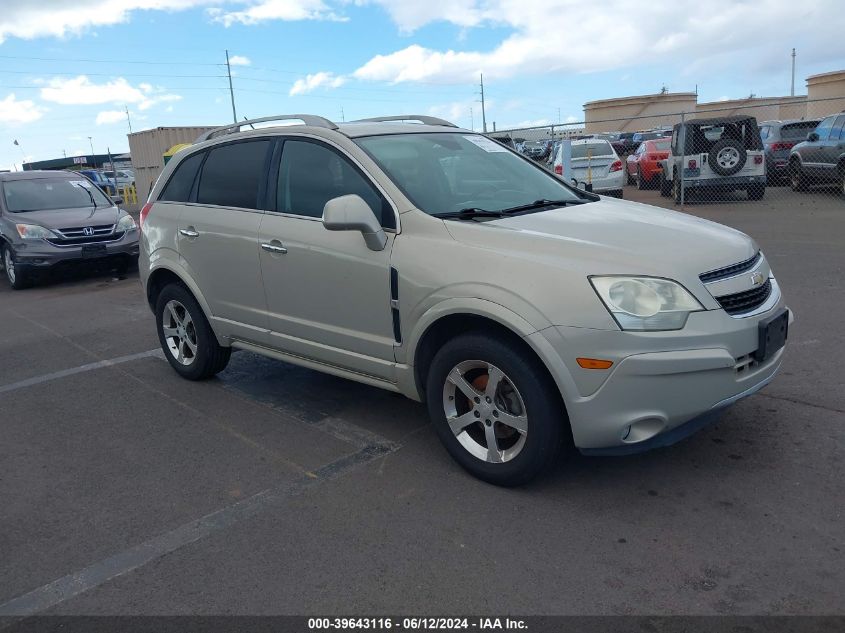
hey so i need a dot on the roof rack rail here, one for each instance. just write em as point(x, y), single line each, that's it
point(307, 119)
point(422, 118)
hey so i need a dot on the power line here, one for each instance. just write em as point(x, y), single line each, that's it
point(108, 61)
point(29, 72)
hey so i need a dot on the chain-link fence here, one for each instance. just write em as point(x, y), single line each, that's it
point(739, 154)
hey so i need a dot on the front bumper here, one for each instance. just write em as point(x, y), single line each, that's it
point(41, 255)
point(663, 386)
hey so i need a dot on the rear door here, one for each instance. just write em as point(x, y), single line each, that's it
point(831, 149)
point(812, 155)
point(218, 236)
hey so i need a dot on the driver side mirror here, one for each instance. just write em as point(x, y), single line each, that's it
point(812, 137)
point(117, 200)
point(352, 213)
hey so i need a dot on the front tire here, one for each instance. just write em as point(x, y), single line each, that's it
point(18, 279)
point(186, 337)
point(495, 409)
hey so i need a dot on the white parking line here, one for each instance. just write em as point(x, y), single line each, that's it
point(37, 380)
point(98, 573)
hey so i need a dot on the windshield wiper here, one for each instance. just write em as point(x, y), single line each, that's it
point(539, 204)
point(90, 195)
point(468, 214)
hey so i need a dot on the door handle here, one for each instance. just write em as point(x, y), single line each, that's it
point(189, 232)
point(274, 248)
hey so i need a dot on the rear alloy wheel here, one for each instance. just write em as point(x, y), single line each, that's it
point(18, 279)
point(186, 337)
point(797, 179)
point(496, 411)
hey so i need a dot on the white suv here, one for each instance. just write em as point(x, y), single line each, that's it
point(435, 262)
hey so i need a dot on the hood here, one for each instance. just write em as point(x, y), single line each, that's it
point(69, 218)
point(614, 237)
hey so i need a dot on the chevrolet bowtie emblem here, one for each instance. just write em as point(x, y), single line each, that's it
point(757, 278)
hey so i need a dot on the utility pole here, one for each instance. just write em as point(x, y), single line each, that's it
point(231, 90)
point(128, 120)
point(471, 119)
point(342, 115)
point(483, 109)
point(92, 148)
point(792, 89)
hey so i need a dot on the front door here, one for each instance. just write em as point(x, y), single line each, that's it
point(218, 237)
point(328, 295)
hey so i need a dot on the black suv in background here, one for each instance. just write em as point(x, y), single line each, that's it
point(820, 160)
point(779, 137)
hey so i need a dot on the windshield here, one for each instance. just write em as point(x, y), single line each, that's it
point(445, 172)
point(591, 150)
point(45, 194)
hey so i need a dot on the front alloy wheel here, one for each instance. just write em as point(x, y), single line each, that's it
point(17, 278)
point(485, 411)
point(495, 407)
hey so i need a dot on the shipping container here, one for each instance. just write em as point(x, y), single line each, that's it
point(148, 148)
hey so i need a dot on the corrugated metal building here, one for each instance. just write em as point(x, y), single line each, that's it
point(148, 147)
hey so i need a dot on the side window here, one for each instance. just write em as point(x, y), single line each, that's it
point(764, 132)
point(232, 174)
point(836, 132)
point(311, 174)
point(823, 128)
point(178, 188)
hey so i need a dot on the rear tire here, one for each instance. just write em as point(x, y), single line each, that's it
point(188, 342)
point(641, 184)
point(18, 279)
point(797, 179)
point(676, 190)
point(523, 395)
point(665, 186)
point(628, 178)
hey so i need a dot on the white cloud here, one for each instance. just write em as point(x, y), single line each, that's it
point(26, 19)
point(110, 116)
point(266, 10)
point(239, 60)
point(81, 90)
point(597, 40)
point(14, 111)
point(317, 80)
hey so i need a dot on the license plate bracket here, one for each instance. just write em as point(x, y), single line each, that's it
point(93, 251)
point(772, 333)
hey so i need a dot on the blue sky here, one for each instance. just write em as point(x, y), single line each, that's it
point(69, 70)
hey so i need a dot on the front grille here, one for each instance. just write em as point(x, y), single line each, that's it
point(745, 364)
point(747, 300)
point(79, 231)
point(85, 239)
point(730, 271)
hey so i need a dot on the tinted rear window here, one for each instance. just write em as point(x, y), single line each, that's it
point(796, 131)
point(232, 175)
point(662, 146)
point(592, 149)
point(178, 188)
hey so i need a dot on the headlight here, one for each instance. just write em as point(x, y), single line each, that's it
point(34, 232)
point(126, 223)
point(646, 303)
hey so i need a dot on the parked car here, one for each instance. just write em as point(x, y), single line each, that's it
point(821, 158)
point(48, 218)
point(96, 176)
point(715, 154)
point(624, 144)
point(431, 261)
point(643, 167)
point(124, 177)
point(779, 137)
point(595, 165)
point(640, 137)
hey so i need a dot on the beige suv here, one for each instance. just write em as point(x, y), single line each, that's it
point(414, 256)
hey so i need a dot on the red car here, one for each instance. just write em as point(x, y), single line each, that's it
point(643, 166)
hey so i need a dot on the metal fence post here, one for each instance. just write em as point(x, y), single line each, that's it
point(683, 156)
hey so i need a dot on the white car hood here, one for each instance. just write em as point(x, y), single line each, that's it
point(613, 237)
